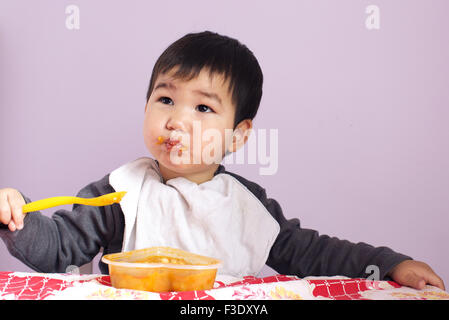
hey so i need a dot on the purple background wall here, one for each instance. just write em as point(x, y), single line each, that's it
point(362, 115)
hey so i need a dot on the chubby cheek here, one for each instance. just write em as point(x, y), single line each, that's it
point(213, 146)
point(150, 134)
point(147, 138)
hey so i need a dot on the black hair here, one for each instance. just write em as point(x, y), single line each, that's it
point(219, 54)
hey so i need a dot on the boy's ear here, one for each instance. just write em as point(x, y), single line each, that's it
point(240, 135)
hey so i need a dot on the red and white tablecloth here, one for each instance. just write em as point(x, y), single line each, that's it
point(40, 286)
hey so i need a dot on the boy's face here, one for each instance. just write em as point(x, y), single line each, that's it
point(188, 125)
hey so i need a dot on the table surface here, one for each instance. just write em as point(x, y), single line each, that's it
point(48, 286)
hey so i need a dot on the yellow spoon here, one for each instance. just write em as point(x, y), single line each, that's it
point(104, 200)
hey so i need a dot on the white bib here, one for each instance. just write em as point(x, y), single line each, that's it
point(219, 218)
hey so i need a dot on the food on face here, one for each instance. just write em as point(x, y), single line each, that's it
point(172, 142)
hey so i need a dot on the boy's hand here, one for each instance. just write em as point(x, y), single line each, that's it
point(415, 274)
point(11, 202)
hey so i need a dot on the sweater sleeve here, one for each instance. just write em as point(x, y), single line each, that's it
point(304, 252)
point(68, 237)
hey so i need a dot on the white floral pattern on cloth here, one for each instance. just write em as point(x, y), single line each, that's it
point(405, 293)
point(39, 286)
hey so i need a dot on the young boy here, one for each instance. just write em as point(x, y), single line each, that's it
point(204, 91)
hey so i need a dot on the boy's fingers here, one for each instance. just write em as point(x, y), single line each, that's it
point(12, 226)
point(5, 211)
point(16, 203)
point(418, 282)
point(414, 281)
point(421, 284)
point(436, 281)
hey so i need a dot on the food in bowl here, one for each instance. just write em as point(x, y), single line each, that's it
point(161, 269)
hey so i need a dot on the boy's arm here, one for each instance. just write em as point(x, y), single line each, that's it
point(68, 237)
point(304, 252)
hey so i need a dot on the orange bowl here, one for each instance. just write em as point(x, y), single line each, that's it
point(161, 269)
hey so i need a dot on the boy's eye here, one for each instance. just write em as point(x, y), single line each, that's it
point(165, 100)
point(203, 108)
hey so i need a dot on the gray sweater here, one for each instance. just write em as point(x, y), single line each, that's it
point(75, 238)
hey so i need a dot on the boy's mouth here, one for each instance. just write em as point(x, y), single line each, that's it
point(171, 143)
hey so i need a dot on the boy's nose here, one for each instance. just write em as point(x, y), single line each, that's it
point(177, 121)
